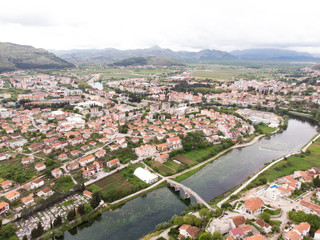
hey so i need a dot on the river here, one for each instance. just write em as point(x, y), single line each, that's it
point(140, 215)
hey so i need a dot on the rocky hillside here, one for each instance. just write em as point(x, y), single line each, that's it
point(14, 57)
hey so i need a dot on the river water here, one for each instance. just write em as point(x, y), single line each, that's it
point(140, 215)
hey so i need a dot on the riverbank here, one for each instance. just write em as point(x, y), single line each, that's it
point(139, 216)
point(189, 172)
point(245, 184)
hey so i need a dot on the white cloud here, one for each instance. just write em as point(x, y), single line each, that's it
point(224, 25)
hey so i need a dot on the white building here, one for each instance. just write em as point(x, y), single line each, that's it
point(145, 175)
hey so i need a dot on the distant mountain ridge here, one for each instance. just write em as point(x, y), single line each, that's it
point(15, 57)
point(156, 61)
point(273, 54)
point(110, 55)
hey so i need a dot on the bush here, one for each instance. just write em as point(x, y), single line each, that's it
point(162, 226)
point(71, 215)
point(57, 222)
point(87, 208)
point(81, 210)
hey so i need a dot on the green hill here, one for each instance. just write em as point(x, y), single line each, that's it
point(156, 61)
point(15, 57)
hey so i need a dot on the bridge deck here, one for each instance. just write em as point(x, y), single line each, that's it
point(190, 191)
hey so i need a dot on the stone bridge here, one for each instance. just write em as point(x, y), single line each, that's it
point(188, 192)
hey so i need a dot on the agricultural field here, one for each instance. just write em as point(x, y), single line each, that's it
point(184, 159)
point(107, 184)
point(165, 170)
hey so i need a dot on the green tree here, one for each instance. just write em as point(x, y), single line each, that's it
point(205, 236)
point(7, 231)
point(316, 181)
point(81, 210)
point(87, 208)
point(37, 232)
point(204, 212)
point(25, 237)
point(71, 215)
point(40, 229)
point(96, 198)
point(265, 216)
point(178, 220)
point(217, 235)
point(57, 222)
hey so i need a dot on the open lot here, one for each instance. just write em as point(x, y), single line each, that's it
point(183, 159)
point(165, 170)
point(107, 184)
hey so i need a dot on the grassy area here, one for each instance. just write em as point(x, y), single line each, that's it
point(164, 170)
point(273, 212)
point(14, 170)
point(301, 162)
point(265, 129)
point(172, 165)
point(108, 184)
point(63, 184)
point(183, 159)
point(187, 174)
point(202, 154)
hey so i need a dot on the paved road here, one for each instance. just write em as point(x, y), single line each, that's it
point(312, 141)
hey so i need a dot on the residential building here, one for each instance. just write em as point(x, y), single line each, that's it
point(4, 207)
point(253, 205)
point(13, 195)
point(113, 162)
point(56, 172)
point(188, 231)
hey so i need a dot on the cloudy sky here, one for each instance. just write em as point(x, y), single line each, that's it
point(179, 25)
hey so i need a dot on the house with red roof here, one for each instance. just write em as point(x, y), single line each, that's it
point(27, 201)
point(113, 162)
point(256, 237)
point(100, 153)
point(188, 231)
point(298, 232)
point(85, 160)
point(236, 233)
point(56, 172)
point(40, 166)
point(13, 195)
point(174, 142)
point(317, 235)
point(236, 221)
point(6, 184)
point(4, 207)
point(253, 205)
point(73, 166)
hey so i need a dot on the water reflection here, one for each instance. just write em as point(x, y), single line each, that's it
point(140, 215)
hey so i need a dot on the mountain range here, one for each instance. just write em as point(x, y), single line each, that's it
point(14, 57)
point(273, 54)
point(110, 55)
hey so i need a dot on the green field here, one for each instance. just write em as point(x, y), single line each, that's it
point(165, 170)
point(107, 184)
point(265, 129)
point(63, 184)
point(183, 159)
point(172, 165)
point(203, 154)
point(300, 162)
